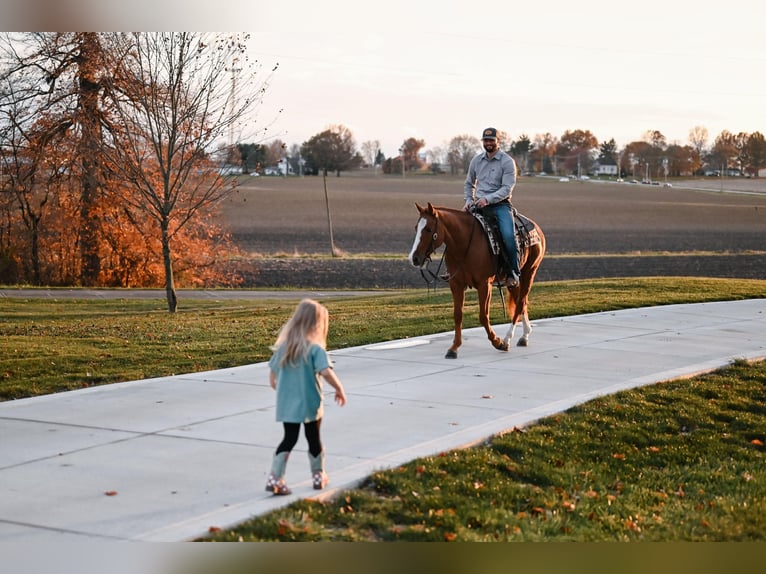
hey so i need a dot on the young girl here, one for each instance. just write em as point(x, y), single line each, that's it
point(298, 360)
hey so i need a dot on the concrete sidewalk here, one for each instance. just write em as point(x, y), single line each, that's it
point(166, 459)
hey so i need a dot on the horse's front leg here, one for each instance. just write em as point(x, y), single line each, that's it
point(458, 299)
point(485, 299)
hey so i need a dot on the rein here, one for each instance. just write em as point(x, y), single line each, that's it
point(446, 276)
point(434, 277)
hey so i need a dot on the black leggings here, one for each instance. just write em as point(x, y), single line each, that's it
point(291, 437)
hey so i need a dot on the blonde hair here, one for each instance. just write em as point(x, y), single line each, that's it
point(309, 324)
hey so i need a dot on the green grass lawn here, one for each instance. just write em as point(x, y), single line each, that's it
point(677, 461)
point(50, 345)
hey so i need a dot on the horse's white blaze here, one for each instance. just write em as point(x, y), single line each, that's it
point(418, 231)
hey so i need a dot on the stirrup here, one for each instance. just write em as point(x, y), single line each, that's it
point(512, 280)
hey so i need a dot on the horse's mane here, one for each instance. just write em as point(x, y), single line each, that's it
point(450, 210)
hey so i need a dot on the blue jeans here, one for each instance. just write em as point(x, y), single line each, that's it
point(505, 223)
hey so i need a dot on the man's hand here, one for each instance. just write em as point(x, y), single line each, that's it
point(482, 203)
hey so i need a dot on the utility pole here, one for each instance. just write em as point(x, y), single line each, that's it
point(234, 71)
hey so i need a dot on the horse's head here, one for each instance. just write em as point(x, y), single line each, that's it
point(427, 237)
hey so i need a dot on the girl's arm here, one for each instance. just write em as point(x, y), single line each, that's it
point(332, 379)
point(273, 380)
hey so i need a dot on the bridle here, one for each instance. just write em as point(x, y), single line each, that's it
point(431, 248)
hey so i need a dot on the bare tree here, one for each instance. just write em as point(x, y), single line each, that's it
point(174, 102)
point(370, 150)
point(460, 152)
point(698, 136)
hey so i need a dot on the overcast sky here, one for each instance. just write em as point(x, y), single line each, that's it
point(432, 70)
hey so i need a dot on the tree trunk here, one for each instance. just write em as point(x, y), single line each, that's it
point(89, 151)
point(170, 288)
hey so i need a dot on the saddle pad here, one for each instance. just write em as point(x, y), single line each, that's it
point(526, 233)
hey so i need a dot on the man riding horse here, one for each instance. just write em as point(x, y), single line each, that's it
point(489, 186)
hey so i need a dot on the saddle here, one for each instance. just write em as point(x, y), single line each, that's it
point(524, 231)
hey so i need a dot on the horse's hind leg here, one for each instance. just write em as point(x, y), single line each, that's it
point(517, 311)
point(509, 335)
point(524, 340)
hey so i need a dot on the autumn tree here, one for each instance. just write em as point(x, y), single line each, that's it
point(334, 149)
point(543, 151)
point(62, 76)
point(755, 153)
point(723, 152)
point(681, 160)
point(173, 103)
point(575, 148)
point(411, 153)
point(639, 155)
point(656, 139)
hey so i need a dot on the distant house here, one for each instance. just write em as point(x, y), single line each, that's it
point(605, 167)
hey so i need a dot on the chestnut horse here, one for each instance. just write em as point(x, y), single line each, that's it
point(471, 263)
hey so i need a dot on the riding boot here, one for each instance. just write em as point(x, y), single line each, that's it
point(276, 483)
point(511, 276)
point(318, 476)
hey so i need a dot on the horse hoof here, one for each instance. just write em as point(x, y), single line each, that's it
point(451, 354)
point(523, 343)
point(502, 346)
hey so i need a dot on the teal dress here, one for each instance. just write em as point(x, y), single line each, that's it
point(299, 386)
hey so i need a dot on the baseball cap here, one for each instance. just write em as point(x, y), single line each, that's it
point(489, 134)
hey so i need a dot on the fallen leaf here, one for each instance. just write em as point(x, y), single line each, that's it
point(619, 456)
point(111, 493)
point(632, 525)
point(756, 442)
point(214, 529)
point(487, 396)
point(449, 536)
